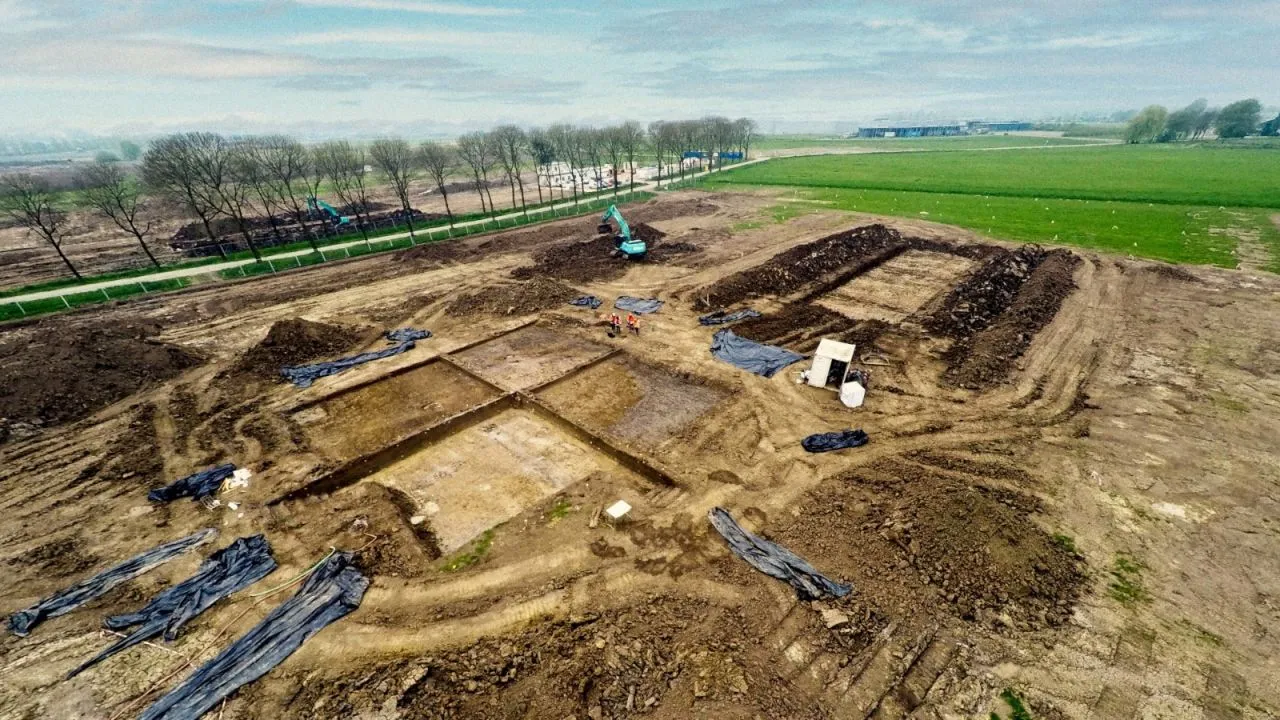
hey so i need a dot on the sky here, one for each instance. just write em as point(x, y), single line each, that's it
point(366, 67)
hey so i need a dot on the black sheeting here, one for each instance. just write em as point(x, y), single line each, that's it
point(328, 594)
point(826, 442)
point(237, 566)
point(196, 486)
point(400, 335)
point(643, 306)
point(747, 354)
point(774, 560)
point(587, 301)
point(303, 375)
point(60, 603)
point(721, 317)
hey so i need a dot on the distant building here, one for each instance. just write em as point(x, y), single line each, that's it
point(888, 131)
point(979, 126)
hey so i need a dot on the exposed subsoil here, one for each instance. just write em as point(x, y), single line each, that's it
point(800, 326)
point(296, 341)
point(518, 298)
point(597, 259)
point(56, 377)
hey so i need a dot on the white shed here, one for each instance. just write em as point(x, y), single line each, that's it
point(831, 363)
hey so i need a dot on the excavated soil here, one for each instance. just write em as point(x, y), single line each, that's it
point(898, 526)
point(596, 259)
point(67, 373)
point(515, 299)
point(996, 314)
point(297, 341)
point(667, 657)
point(802, 266)
point(799, 326)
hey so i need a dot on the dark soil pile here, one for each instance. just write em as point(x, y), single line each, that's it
point(799, 326)
point(657, 211)
point(847, 253)
point(647, 233)
point(297, 342)
point(912, 540)
point(580, 262)
point(973, 305)
point(515, 299)
point(1172, 272)
point(60, 376)
point(986, 357)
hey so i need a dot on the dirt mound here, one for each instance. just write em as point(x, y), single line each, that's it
point(647, 233)
point(515, 299)
point(986, 356)
point(657, 211)
point(54, 377)
point(296, 342)
point(973, 305)
point(580, 262)
point(1172, 272)
point(800, 326)
point(913, 540)
point(669, 656)
point(852, 252)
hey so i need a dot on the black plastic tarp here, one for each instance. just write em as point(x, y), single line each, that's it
point(196, 486)
point(774, 560)
point(587, 301)
point(400, 335)
point(722, 317)
point(60, 603)
point(304, 375)
point(760, 359)
point(826, 442)
point(328, 594)
point(643, 306)
point(237, 566)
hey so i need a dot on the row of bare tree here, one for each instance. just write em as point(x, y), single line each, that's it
point(218, 178)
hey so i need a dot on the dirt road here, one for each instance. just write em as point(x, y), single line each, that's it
point(1091, 527)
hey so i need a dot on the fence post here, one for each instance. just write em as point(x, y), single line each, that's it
point(104, 293)
point(322, 257)
point(346, 252)
point(272, 266)
point(64, 301)
point(143, 285)
point(298, 258)
point(21, 309)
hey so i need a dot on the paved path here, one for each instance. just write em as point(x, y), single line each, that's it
point(285, 260)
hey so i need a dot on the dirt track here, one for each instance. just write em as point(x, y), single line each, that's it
point(981, 528)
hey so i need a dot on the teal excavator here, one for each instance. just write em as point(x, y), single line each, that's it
point(320, 208)
point(624, 241)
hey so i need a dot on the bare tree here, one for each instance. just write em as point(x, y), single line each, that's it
point(399, 163)
point(631, 134)
point(564, 138)
point(660, 143)
point(474, 149)
point(291, 174)
point(219, 169)
point(543, 152)
point(611, 148)
point(592, 143)
point(248, 169)
point(114, 194)
point(746, 132)
point(440, 162)
point(691, 140)
point(29, 201)
point(512, 145)
point(171, 165)
point(344, 164)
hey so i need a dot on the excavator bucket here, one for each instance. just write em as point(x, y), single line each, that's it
point(604, 228)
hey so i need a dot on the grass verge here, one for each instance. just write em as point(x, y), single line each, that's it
point(472, 555)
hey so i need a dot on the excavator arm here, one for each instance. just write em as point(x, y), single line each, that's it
point(624, 240)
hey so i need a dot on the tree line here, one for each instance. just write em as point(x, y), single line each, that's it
point(1155, 123)
point(213, 177)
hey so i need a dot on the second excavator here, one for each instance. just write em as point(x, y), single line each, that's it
point(630, 246)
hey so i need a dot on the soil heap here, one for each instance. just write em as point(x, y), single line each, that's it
point(58, 377)
point(584, 262)
point(515, 299)
point(296, 342)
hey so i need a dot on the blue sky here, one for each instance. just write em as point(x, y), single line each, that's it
point(332, 67)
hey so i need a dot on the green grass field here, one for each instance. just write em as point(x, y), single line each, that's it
point(773, 143)
point(1185, 204)
point(1177, 174)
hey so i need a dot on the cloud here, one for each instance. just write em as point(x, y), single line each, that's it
point(416, 6)
point(1101, 40)
point(505, 41)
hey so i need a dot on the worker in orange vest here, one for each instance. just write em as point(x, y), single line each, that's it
point(615, 323)
point(633, 323)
